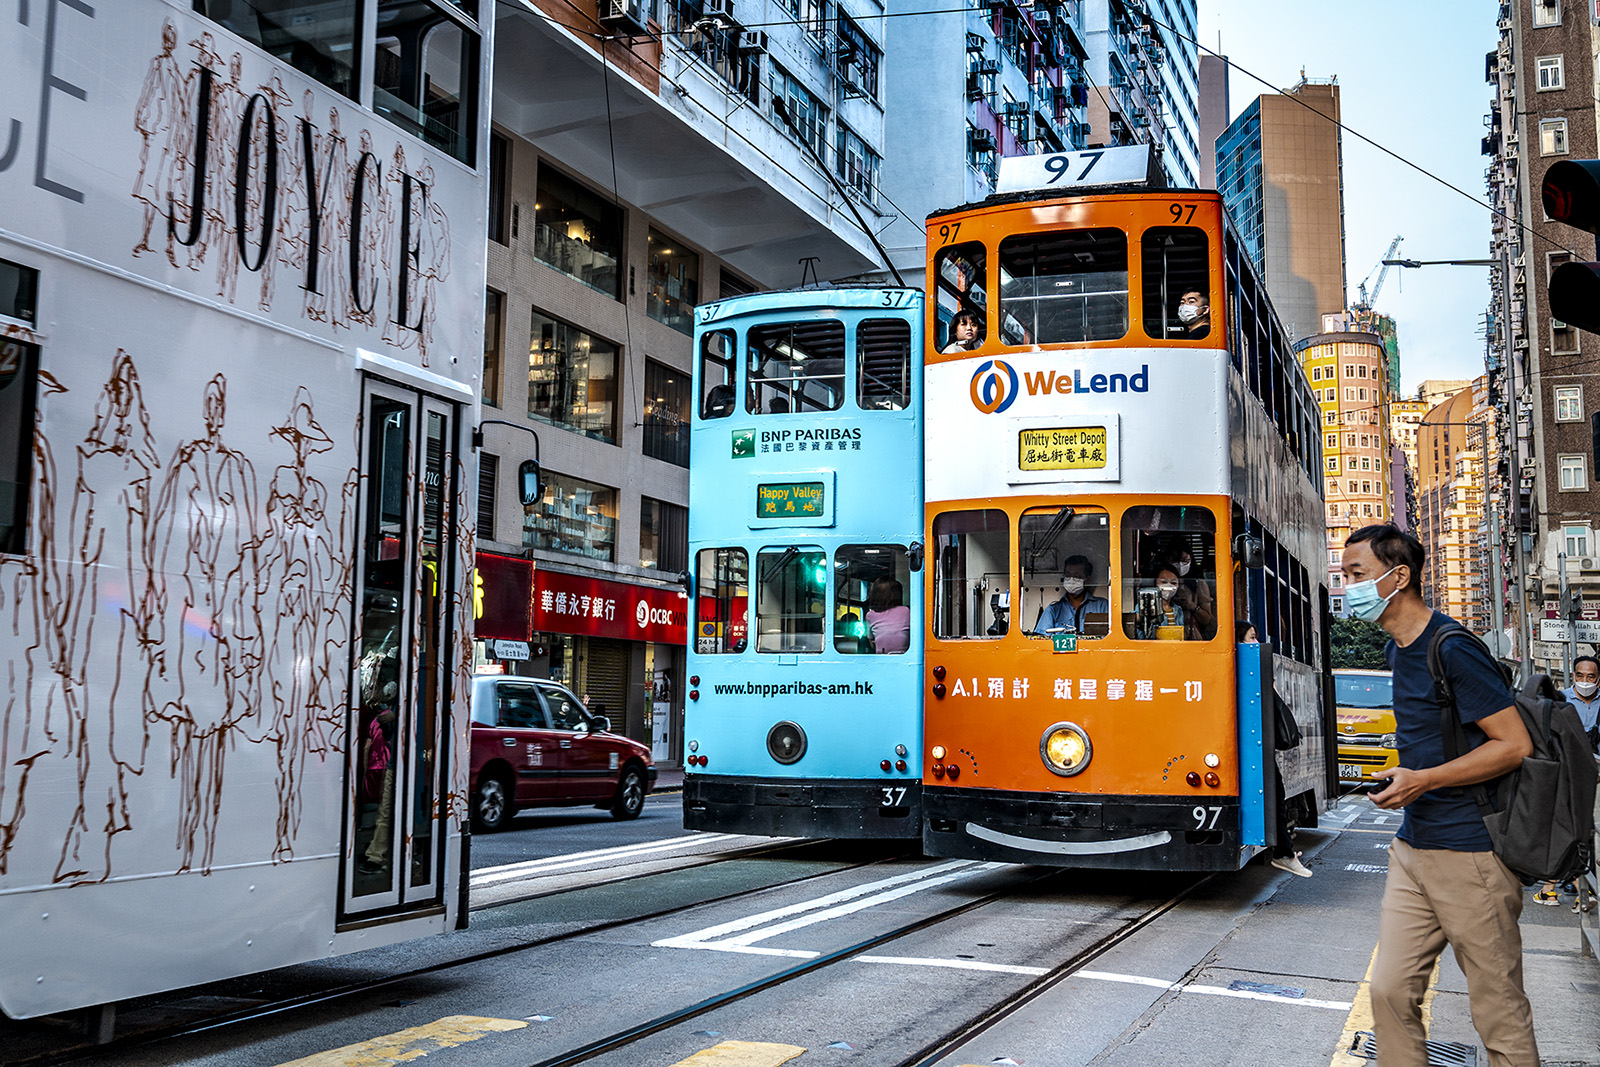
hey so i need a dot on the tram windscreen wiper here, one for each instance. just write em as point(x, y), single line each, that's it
point(776, 566)
point(1053, 531)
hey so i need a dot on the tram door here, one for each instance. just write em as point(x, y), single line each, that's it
point(398, 716)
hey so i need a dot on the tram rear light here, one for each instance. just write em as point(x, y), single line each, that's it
point(1065, 749)
point(694, 694)
point(884, 764)
point(899, 764)
point(1193, 778)
point(694, 679)
point(953, 771)
point(938, 672)
point(938, 690)
point(702, 761)
point(1212, 780)
point(938, 770)
point(938, 752)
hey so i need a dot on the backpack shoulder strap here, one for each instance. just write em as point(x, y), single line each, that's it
point(1453, 733)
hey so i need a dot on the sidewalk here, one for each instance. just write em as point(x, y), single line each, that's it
point(669, 779)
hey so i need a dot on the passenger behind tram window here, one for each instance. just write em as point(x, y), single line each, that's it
point(888, 616)
point(1161, 617)
point(778, 406)
point(1195, 594)
point(966, 333)
point(719, 402)
point(1078, 611)
point(1194, 316)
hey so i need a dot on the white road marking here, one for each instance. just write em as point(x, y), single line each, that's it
point(957, 965)
point(701, 938)
point(550, 864)
point(1212, 991)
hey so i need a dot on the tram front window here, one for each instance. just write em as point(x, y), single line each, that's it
point(972, 574)
point(962, 305)
point(871, 612)
point(722, 601)
point(1177, 283)
point(717, 393)
point(791, 598)
point(1169, 590)
point(1066, 560)
point(1063, 287)
point(883, 364)
point(797, 366)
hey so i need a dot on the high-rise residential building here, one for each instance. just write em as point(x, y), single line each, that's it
point(1450, 505)
point(1405, 415)
point(966, 88)
point(1213, 114)
point(633, 177)
point(1280, 172)
point(1348, 377)
point(1542, 372)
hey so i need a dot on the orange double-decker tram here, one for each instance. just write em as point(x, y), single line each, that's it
point(1122, 464)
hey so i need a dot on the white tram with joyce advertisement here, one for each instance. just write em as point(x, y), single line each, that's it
point(241, 286)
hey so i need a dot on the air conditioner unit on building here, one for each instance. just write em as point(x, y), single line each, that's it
point(721, 10)
point(1586, 563)
point(754, 42)
point(981, 141)
point(625, 15)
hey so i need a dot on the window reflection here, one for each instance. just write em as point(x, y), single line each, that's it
point(574, 516)
point(722, 601)
point(791, 598)
point(972, 574)
point(317, 39)
point(1169, 590)
point(425, 74)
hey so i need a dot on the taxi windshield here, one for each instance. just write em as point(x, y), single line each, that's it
point(1363, 690)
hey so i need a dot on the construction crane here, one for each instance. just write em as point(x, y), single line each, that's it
point(1365, 298)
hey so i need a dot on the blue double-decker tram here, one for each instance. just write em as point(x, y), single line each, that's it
point(805, 709)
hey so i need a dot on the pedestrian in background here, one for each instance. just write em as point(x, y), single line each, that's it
point(1445, 883)
point(1584, 695)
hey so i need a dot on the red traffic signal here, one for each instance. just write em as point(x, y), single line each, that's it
point(1571, 195)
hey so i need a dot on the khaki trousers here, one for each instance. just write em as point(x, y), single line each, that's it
point(1472, 901)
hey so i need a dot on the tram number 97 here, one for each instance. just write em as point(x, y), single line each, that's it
point(894, 796)
point(1205, 818)
point(1181, 213)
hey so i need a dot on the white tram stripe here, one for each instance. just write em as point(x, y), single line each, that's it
point(525, 868)
point(700, 938)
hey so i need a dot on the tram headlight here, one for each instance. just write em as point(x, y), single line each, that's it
point(1065, 749)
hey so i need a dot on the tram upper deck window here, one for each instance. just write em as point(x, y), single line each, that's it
point(791, 598)
point(871, 612)
point(315, 37)
point(1176, 268)
point(1063, 287)
point(883, 364)
point(962, 305)
point(722, 600)
point(425, 73)
point(972, 574)
point(1066, 561)
point(796, 366)
point(717, 391)
point(1169, 564)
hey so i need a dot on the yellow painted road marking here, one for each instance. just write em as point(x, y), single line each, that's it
point(742, 1054)
point(1360, 1017)
point(414, 1043)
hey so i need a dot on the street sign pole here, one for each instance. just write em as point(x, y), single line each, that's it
point(1571, 617)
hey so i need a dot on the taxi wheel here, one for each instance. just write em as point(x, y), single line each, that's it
point(491, 805)
point(630, 795)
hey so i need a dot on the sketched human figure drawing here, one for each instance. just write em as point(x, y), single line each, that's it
point(435, 260)
point(22, 608)
point(220, 176)
point(205, 651)
point(289, 249)
point(396, 226)
point(186, 145)
point(363, 289)
point(332, 167)
point(159, 119)
point(92, 627)
point(299, 569)
point(279, 100)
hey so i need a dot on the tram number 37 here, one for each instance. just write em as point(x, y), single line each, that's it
point(1206, 818)
point(894, 796)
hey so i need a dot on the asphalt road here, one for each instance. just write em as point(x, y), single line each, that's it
point(542, 832)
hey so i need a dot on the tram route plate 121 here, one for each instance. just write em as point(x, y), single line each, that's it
point(1062, 448)
point(1064, 642)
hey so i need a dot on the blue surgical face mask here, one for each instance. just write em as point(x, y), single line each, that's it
point(1363, 600)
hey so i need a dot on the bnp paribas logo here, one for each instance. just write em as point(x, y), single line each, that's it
point(744, 444)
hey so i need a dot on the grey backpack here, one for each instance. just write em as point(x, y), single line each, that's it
point(1540, 817)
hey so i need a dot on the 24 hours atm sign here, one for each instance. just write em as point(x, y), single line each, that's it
point(748, 443)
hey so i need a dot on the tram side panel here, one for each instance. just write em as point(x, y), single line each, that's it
point(183, 713)
point(798, 722)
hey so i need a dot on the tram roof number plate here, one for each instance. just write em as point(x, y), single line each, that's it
point(1062, 448)
point(784, 500)
point(1064, 642)
point(1124, 165)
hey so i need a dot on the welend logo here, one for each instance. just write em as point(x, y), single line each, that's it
point(994, 386)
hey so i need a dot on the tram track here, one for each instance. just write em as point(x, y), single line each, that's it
point(289, 1005)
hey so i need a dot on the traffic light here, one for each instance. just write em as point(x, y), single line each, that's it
point(1573, 608)
point(1572, 195)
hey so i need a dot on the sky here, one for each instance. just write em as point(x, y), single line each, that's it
point(1411, 78)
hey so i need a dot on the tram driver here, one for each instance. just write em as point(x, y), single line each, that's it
point(1076, 612)
point(1194, 316)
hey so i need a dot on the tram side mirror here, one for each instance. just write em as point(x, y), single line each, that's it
point(530, 486)
point(914, 556)
point(1249, 552)
point(687, 582)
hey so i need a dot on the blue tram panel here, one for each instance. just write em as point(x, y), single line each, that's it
point(805, 652)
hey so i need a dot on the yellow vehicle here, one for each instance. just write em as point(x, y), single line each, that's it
point(1364, 708)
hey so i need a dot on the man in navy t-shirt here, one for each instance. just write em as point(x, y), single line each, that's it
point(1445, 883)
